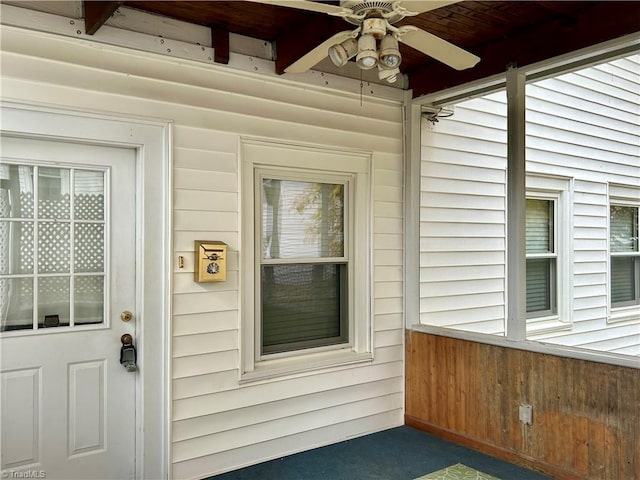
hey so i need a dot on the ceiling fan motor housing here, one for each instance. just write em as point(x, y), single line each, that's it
point(374, 8)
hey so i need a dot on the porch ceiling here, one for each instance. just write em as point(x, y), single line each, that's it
point(500, 32)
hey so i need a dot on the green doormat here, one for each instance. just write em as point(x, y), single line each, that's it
point(458, 472)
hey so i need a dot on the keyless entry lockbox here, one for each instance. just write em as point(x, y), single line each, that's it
point(210, 261)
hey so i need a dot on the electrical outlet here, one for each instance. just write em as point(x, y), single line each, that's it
point(526, 414)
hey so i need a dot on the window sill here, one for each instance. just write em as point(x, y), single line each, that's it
point(300, 364)
point(624, 314)
point(544, 325)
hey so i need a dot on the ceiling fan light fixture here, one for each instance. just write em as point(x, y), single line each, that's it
point(388, 74)
point(367, 57)
point(389, 52)
point(374, 26)
point(340, 53)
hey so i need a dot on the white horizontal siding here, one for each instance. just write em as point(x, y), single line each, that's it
point(462, 218)
point(232, 459)
point(587, 125)
point(583, 126)
point(219, 424)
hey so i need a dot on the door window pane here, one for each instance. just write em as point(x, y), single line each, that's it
point(53, 193)
point(302, 219)
point(16, 247)
point(16, 191)
point(88, 299)
point(53, 301)
point(88, 195)
point(89, 247)
point(54, 247)
point(16, 303)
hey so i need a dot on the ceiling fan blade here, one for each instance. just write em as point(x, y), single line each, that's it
point(439, 49)
point(303, 5)
point(318, 54)
point(421, 6)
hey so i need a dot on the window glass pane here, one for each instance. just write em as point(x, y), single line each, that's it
point(539, 226)
point(88, 195)
point(539, 284)
point(88, 299)
point(623, 279)
point(53, 301)
point(16, 303)
point(16, 191)
point(16, 247)
point(89, 247)
point(303, 306)
point(53, 247)
point(53, 193)
point(302, 219)
point(624, 229)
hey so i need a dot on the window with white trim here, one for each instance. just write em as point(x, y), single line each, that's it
point(541, 250)
point(304, 265)
point(625, 255)
point(306, 268)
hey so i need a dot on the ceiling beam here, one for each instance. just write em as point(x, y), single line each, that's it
point(293, 43)
point(96, 13)
point(220, 43)
point(597, 23)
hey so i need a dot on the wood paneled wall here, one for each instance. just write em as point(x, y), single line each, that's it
point(586, 415)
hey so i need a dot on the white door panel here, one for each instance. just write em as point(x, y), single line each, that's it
point(68, 406)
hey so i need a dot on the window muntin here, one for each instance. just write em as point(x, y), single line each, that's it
point(625, 255)
point(52, 269)
point(541, 256)
point(303, 281)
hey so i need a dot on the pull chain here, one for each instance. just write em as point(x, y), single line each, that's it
point(361, 87)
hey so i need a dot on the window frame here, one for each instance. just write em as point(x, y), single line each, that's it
point(347, 181)
point(552, 311)
point(557, 189)
point(305, 163)
point(622, 196)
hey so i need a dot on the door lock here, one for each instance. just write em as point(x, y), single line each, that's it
point(128, 353)
point(126, 316)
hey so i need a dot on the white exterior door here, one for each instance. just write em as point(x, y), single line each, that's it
point(67, 272)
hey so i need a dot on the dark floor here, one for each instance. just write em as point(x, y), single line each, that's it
point(401, 453)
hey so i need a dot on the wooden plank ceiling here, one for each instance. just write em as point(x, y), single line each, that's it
point(500, 32)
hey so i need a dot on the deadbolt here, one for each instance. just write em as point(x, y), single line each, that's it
point(126, 316)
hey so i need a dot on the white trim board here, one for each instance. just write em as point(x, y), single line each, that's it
point(152, 140)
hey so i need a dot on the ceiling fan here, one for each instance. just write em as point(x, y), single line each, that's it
point(374, 41)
